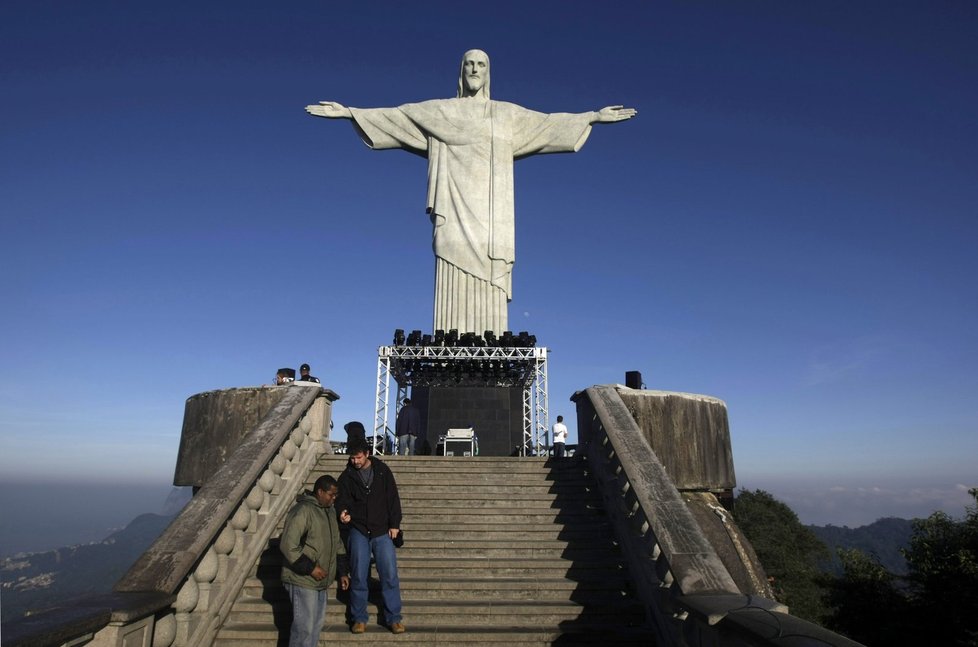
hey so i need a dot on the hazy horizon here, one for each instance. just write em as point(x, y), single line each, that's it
point(42, 516)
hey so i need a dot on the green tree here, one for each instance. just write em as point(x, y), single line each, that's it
point(868, 604)
point(789, 551)
point(943, 575)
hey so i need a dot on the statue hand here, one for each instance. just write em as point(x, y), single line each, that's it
point(612, 114)
point(330, 110)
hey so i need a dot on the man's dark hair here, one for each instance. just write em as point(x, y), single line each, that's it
point(358, 446)
point(324, 483)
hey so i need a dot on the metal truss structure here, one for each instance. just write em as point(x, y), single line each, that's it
point(457, 366)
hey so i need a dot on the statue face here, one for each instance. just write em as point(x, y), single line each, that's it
point(475, 71)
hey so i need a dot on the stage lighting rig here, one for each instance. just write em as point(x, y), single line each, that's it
point(399, 337)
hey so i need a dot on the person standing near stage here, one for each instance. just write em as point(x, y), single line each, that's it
point(408, 428)
point(370, 507)
point(314, 557)
point(560, 437)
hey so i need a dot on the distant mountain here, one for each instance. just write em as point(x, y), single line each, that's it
point(883, 538)
point(177, 499)
point(40, 580)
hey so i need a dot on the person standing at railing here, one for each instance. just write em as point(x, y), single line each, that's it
point(314, 557)
point(370, 507)
point(304, 374)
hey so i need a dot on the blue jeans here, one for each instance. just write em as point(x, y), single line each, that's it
point(559, 450)
point(390, 587)
point(308, 614)
point(405, 445)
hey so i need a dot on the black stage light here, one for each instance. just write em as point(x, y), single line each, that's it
point(507, 339)
point(426, 340)
point(523, 339)
point(414, 339)
point(467, 339)
point(439, 338)
point(399, 337)
point(533, 340)
point(451, 339)
point(490, 338)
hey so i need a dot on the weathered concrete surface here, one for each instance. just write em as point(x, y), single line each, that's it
point(85, 616)
point(691, 558)
point(167, 562)
point(730, 544)
point(689, 433)
point(214, 424)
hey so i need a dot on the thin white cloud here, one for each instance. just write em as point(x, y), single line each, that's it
point(832, 362)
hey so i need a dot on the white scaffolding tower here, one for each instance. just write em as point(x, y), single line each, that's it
point(455, 366)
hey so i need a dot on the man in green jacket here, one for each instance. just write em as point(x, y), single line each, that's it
point(314, 557)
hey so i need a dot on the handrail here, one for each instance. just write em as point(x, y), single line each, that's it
point(180, 591)
point(690, 597)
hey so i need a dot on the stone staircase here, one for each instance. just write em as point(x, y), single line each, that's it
point(497, 551)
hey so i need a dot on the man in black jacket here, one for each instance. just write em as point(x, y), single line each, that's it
point(370, 508)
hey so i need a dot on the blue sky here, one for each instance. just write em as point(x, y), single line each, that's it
point(789, 223)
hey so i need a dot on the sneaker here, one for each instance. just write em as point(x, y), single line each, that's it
point(359, 627)
point(397, 628)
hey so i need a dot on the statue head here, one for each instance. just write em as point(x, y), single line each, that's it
point(473, 77)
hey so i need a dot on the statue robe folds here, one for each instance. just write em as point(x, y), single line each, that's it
point(471, 145)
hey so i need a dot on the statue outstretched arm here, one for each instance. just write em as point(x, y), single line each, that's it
point(611, 114)
point(330, 110)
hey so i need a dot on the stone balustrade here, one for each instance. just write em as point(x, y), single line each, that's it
point(690, 595)
point(180, 590)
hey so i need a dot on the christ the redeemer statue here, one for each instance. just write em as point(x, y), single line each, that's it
point(471, 142)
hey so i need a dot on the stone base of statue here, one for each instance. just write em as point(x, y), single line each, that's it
point(496, 387)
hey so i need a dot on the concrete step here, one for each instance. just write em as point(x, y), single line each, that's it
point(416, 532)
point(459, 518)
point(514, 513)
point(434, 549)
point(261, 635)
point(503, 566)
point(512, 491)
point(530, 502)
point(608, 589)
point(499, 551)
point(431, 613)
